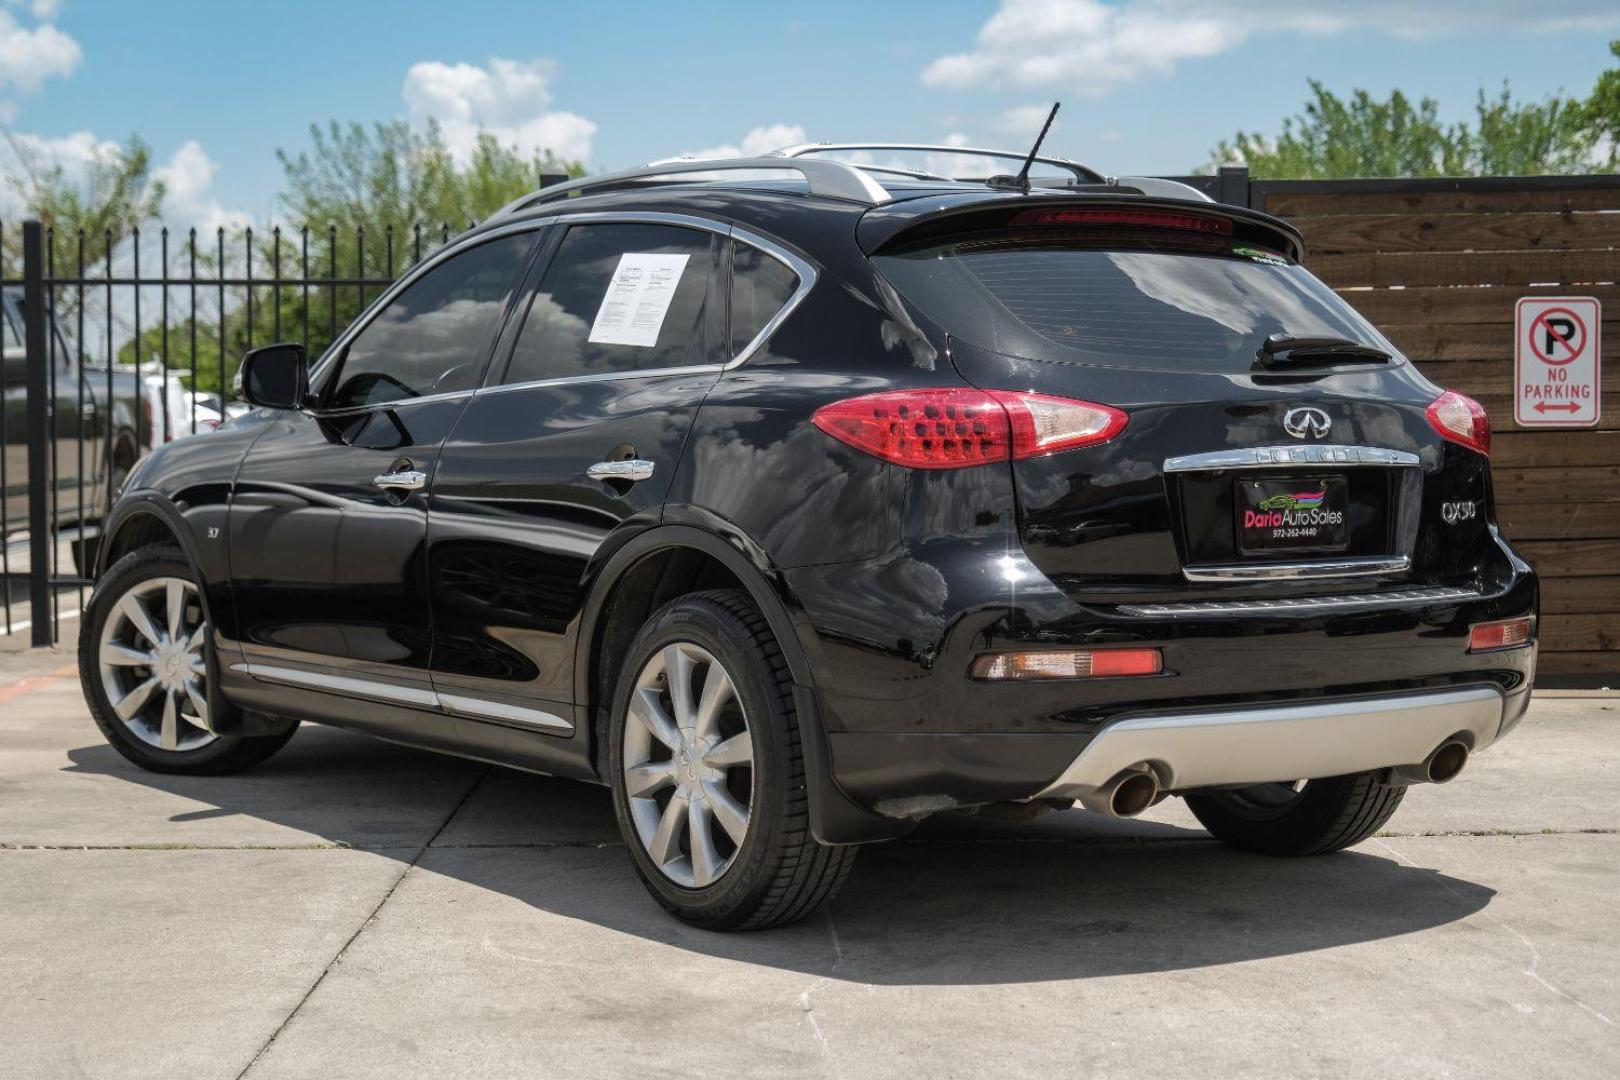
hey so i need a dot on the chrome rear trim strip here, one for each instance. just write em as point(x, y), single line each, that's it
point(1282, 743)
point(455, 704)
point(1282, 457)
point(1301, 571)
point(1292, 605)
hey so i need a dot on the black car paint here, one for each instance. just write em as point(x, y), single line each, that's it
point(882, 583)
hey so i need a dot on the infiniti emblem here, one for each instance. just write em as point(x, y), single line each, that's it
point(1307, 420)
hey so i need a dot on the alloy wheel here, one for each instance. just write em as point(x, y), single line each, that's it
point(153, 666)
point(688, 762)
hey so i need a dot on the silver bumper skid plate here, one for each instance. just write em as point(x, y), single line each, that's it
point(1282, 743)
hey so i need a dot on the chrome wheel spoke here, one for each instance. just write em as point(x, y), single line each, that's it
point(706, 861)
point(678, 672)
point(195, 642)
point(641, 781)
point(131, 608)
point(737, 750)
point(650, 714)
point(115, 655)
point(199, 700)
point(169, 733)
point(174, 604)
point(127, 706)
point(665, 845)
point(717, 691)
point(732, 816)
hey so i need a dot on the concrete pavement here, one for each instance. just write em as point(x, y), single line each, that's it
point(355, 909)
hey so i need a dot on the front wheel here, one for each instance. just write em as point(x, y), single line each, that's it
point(143, 664)
point(708, 772)
point(1309, 817)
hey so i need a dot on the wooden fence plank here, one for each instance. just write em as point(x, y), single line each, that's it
point(1475, 341)
point(1350, 233)
point(1577, 596)
point(1498, 401)
point(1464, 304)
point(1596, 483)
point(1572, 558)
point(1568, 520)
point(1579, 633)
point(1494, 376)
point(1579, 663)
point(1303, 206)
point(1597, 266)
point(1540, 449)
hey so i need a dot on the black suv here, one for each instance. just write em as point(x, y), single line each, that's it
point(799, 499)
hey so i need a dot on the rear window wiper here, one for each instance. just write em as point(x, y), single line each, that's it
point(1287, 350)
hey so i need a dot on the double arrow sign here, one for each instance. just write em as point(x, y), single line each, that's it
point(1568, 406)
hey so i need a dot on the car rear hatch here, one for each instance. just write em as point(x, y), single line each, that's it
point(1277, 445)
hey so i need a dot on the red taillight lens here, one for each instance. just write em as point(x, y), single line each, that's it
point(1462, 420)
point(1068, 664)
point(1141, 219)
point(955, 427)
point(1503, 634)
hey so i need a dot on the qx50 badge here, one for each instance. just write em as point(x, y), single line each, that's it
point(1307, 421)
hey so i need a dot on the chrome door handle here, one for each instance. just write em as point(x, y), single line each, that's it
point(633, 469)
point(404, 480)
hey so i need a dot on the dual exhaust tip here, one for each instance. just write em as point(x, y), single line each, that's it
point(1137, 788)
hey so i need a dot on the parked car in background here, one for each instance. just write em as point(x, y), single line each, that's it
point(798, 509)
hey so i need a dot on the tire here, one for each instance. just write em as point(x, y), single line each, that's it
point(110, 643)
point(778, 872)
point(1323, 816)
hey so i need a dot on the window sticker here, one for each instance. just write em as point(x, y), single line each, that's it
point(638, 299)
point(1260, 255)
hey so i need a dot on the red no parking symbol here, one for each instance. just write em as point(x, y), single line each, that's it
point(1557, 336)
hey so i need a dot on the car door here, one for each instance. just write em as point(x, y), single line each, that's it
point(573, 441)
point(329, 514)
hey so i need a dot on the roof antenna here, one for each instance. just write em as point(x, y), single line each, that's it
point(1021, 181)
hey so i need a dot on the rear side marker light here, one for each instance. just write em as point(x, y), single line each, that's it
point(1503, 634)
point(1461, 420)
point(1068, 664)
point(1141, 219)
point(956, 427)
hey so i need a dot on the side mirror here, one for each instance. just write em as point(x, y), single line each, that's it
point(275, 376)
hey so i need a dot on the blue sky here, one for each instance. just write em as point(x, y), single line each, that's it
point(1147, 85)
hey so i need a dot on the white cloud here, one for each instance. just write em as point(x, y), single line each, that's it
point(761, 140)
point(1089, 47)
point(188, 197)
point(22, 154)
point(1024, 121)
point(508, 99)
point(30, 56)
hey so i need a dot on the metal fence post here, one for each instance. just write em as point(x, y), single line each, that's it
point(1232, 185)
point(41, 544)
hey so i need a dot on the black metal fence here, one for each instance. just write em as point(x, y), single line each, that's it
point(114, 345)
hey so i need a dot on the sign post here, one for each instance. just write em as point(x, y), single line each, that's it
point(1557, 368)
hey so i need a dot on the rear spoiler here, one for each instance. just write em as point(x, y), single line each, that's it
point(935, 216)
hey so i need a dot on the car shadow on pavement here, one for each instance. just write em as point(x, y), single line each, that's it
point(964, 901)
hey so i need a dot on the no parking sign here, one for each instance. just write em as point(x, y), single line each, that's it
point(1556, 369)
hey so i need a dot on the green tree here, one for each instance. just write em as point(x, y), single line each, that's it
point(1599, 115)
point(368, 202)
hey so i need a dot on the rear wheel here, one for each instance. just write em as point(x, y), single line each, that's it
point(708, 772)
point(1309, 817)
point(144, 666)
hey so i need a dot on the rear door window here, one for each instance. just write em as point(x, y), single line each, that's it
point(618, 298)
point(761, 286)
point(1126, 299)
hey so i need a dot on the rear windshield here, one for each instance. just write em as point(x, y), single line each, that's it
point(1134, 300)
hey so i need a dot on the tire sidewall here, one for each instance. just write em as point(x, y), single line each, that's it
point(706, 624)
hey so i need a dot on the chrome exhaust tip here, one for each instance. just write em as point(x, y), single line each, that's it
point(1446, 762)
point(1126, 795)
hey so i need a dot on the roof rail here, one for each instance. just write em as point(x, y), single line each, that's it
point(1082, 172)
point(835, 179)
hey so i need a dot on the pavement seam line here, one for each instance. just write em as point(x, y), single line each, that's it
point(367, 921)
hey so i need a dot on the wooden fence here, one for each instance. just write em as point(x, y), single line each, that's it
point(1438, 265)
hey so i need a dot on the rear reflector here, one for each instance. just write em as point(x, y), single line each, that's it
point(1504, 634)
point(1071, 664)
point(955, 427)
point(1139, 219)
point(1462, 420)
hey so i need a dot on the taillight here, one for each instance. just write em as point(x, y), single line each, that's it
point(1502, 634)
point(955, 427)
point(1141, 219)
point(1462, 420)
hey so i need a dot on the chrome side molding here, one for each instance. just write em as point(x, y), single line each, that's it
point(417, 697)
point(1282, 457)
point(1295, 605)
point(1298, 571)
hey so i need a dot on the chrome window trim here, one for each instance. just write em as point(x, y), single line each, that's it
point(1299, 571)
point(1284, 457)
point(1440, 594)
point(454, 704)
point(806, 272)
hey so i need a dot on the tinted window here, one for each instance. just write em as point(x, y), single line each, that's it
point(617, 298)
point(1121, 302)
point(433, 338)
point(760, 285)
